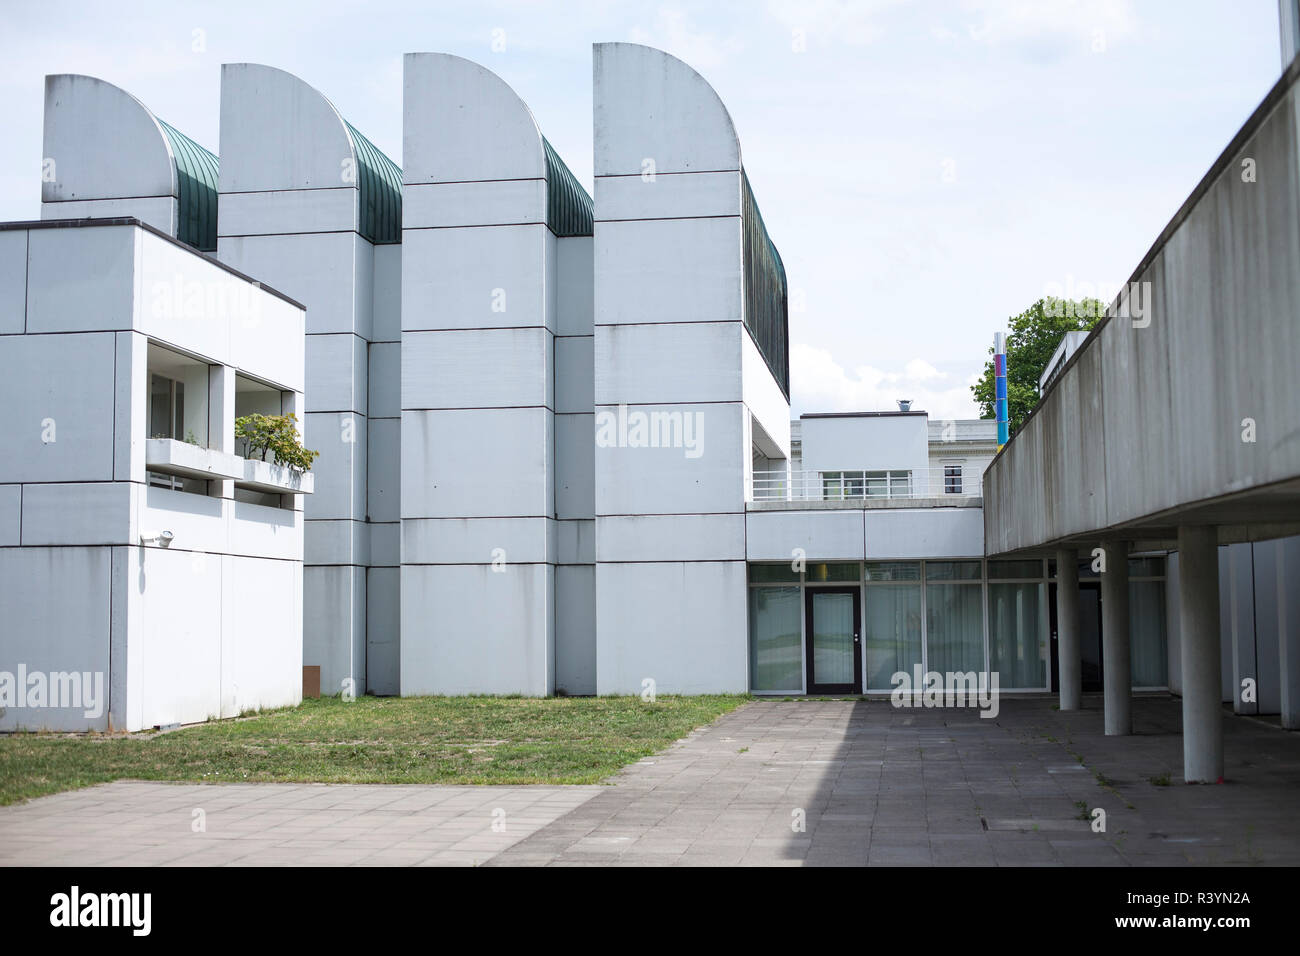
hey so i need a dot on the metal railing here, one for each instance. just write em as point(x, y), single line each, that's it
point(935, 482)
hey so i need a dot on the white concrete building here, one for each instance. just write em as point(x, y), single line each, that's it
point(556, 446)
point(149, 574)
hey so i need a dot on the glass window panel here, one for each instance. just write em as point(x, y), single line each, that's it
point(893, 632)
point(877, 484)
point(179, 430)
point(817, 573)
point(1015, 569)
point(952, 570)
point(160, 407)
point(778, 573)
point(775, 639)
point(1148, 634)
point(832, 486)
point(900, 484)
point(832, 639)
point(1149, 567)
point(893, 570)
point(1017, 638)
point(954, 627)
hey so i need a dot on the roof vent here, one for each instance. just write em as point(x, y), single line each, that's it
point(904, 404)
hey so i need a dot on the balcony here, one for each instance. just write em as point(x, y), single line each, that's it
point(934, 487)
point(266, 476)
point(167, 456)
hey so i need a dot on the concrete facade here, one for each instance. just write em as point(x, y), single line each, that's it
point(1174, 425)
point(294, 195)
point(496, 364)
point(672, 354)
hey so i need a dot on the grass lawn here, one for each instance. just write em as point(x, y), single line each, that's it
point(503, 740)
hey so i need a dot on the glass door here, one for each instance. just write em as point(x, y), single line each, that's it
point(834, 645)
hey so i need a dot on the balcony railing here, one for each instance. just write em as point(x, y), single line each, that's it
point(936, 482)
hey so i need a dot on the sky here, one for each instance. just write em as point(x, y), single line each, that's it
point(927, 168)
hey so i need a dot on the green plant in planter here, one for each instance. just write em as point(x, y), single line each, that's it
point(277, 434)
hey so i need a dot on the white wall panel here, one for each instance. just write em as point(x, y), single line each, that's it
point(383, 618)
point(823, 535)
point(931, 533)
point(574, 373)
point(486, 278)
point(46, 632)
point(385, 380)
point(491, 203)
point(500, 541)
point(499, 467)
point(337, 368)
point(81, 279)
point(384, 469)
point(58, 387)
point(676, 270)
point(13, 281)
point(669, 196)
point(694, 643)
point(284, 211)
point(671, 538)
point(481, 368)
point(467, 629)
point(642, 480)
point(645, 364)
point(575, 630)
point(95, 513)
point(575, 456)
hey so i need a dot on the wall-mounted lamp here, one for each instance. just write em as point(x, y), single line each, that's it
point(162, 539)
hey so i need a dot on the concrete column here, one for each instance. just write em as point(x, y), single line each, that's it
point(1198, 604)
point(1069, 659)
point(221, 421)
point(1288, 630)
point(1116, 663)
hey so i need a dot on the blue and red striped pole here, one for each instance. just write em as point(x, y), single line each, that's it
point(1000, 386)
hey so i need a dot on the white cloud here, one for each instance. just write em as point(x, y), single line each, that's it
point(1014, 21)
point(820, 384)
point(850, 23)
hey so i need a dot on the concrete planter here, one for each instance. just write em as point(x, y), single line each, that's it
point(277, 479)
point(171, 457)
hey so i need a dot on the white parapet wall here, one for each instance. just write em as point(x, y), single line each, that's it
point(681, 403)
point(172, 590)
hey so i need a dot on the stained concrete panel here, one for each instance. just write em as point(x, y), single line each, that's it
point(456, 618)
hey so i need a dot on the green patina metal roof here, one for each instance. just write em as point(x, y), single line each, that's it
point(569, 210)
point(379, 180)
point(766, 297)
point(196, 186)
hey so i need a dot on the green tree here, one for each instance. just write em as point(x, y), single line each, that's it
point(1033, 336)
point(277, 434)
